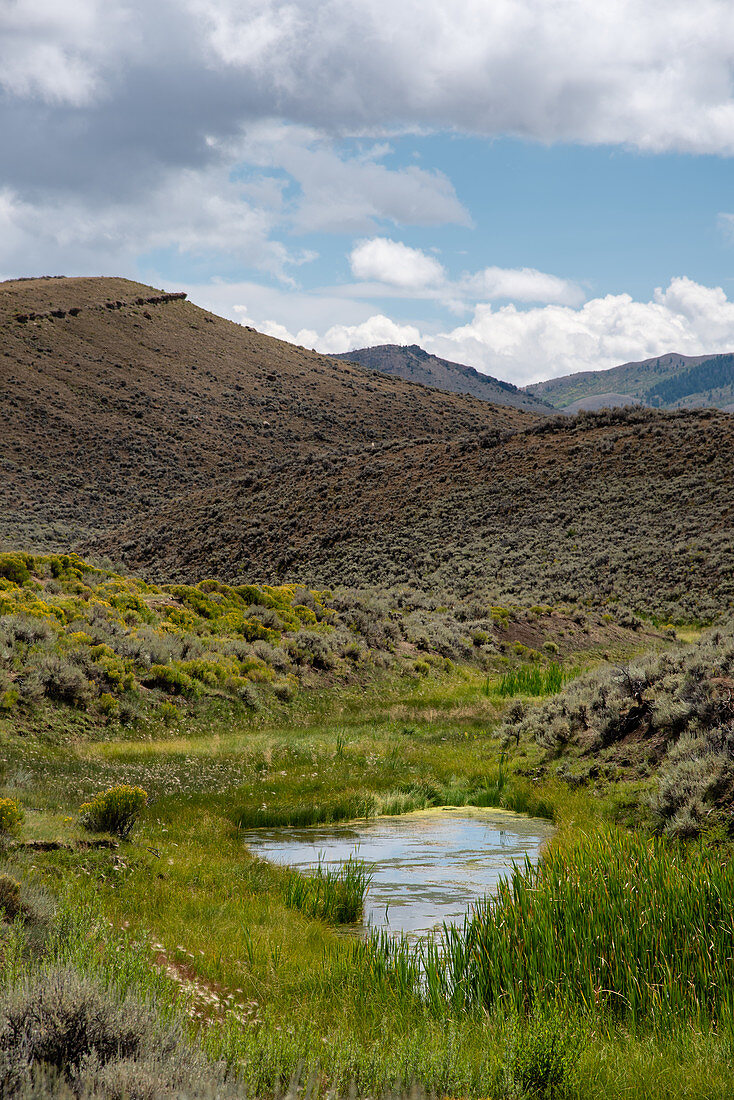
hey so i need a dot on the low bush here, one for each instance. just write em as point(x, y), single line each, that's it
point(62, 1019)
point(114, 811)
point(171, 679)
point(10, 902)
point(64, 681)
point(11, 817)
point(542, 1058)
point(14, 568)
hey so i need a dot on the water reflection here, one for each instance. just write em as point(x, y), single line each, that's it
point(429, 867)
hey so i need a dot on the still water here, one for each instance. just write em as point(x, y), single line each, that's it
point(428, 867)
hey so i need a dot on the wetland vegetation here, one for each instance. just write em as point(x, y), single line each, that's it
point(195, 966)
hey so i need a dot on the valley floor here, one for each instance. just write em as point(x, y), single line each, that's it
point(182, 917)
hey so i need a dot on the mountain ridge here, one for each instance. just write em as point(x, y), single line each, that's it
point(412, 363)
point(664, 381)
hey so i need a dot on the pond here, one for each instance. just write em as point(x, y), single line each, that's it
point(428, 867)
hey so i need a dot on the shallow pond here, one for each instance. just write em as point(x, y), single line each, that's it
point(428, 867)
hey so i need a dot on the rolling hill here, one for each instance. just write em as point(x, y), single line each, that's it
point(414, 364)
point(139, 426)
point(117, 397)
point(631, 505)
point(666, 381)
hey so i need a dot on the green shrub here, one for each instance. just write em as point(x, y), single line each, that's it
point(171, 679)
point(9, 897)
point(541, 1059)
point(11, 817)
point(108, 705)
point(9, 699)
point(115, 811)
point(14, 568)
point(168, 712)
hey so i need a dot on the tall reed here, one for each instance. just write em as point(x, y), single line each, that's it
point(334, 894)
point(531, 681)
point(617, 923)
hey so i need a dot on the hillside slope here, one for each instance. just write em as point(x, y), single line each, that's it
point(666, 381)
point(633, 505)
point(117, 397)
point(414, 364)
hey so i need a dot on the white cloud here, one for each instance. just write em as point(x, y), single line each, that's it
point(194, 213)
point(375, 330)
point(523, 284)
point(518, 345)
point(53, 50)
point(394, 263)
point(525, 346)
point(347, 193)
point(641, 72)
point(388, 268)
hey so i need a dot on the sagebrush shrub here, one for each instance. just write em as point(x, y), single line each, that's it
point(114, 811)
point(60, 1019)
point(9, 897)
point(64, 681)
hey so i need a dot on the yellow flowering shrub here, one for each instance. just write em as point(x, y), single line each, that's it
point(114, 811)
point(11, 817)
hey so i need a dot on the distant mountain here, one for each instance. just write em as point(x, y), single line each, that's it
point(414, 364)
point(669, 381)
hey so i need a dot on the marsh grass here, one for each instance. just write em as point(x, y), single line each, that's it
point(333, 894)
point(611, 924)
point(530, 680)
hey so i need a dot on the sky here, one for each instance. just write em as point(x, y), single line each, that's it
point(531, 187)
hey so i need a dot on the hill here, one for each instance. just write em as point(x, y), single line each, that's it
point(634, 506)
point(117, 397)
point(414, 364)
point(600, 401)
point(666, 381)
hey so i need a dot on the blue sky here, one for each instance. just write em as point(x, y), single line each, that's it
point(530, 186)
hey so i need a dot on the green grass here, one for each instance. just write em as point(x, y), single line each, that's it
point(333, 894)
point(530, 680)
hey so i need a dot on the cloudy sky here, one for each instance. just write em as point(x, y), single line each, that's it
point(529, 186)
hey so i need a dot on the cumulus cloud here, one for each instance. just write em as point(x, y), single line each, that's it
point(130, 123)
point(375, 330)
point(53, 50)
point(195, 213)
point(390, 268)
point(394, 263)
point(653, 75)
point(102, 95)
point(528, 345)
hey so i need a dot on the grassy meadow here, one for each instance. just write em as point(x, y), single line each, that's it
point(201, 970)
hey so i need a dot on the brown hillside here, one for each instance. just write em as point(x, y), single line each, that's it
point(117, 397)
point(630, 505)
